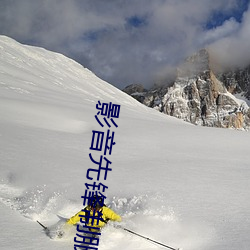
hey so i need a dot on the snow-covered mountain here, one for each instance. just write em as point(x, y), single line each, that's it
point(182, 185)
point(237, 81)
point(201, 96)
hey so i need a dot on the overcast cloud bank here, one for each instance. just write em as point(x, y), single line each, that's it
point(133, 41)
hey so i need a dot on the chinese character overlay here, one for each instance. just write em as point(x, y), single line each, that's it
point(101, 146)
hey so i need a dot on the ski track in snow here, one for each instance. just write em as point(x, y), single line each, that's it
point(144, 214)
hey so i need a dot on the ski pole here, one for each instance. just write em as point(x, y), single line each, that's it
point(125, 229)
point(45, 228)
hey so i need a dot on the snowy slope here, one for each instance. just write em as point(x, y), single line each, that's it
point(182, 185)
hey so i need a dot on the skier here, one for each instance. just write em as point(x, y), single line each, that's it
point(96, 214)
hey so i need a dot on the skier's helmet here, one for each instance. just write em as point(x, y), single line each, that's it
point(96, 202)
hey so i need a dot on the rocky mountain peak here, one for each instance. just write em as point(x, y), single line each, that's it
point(196, 64)
point(200, 96)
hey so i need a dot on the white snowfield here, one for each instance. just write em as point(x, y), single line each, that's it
point(182, 185)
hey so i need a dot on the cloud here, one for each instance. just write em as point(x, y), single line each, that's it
point(228, 28)
point(121, 41)
point(232, 50)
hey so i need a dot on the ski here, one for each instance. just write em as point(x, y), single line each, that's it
point(61, 217)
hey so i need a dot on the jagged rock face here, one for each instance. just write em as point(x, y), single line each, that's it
point(199, 97)
point(237, 81)
point(133, 88)
point(137, 91)
point(205, 102)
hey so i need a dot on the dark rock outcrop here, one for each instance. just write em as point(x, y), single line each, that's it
point(199, 96)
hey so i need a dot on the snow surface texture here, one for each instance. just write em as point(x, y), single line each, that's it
point(182, 185)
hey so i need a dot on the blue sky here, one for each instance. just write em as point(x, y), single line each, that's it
point(131, 41)
point(218, 17)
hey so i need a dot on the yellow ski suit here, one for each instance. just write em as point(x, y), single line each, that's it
point(107, 214)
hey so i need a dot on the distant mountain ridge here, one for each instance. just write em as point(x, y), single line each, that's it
point(200, 95)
